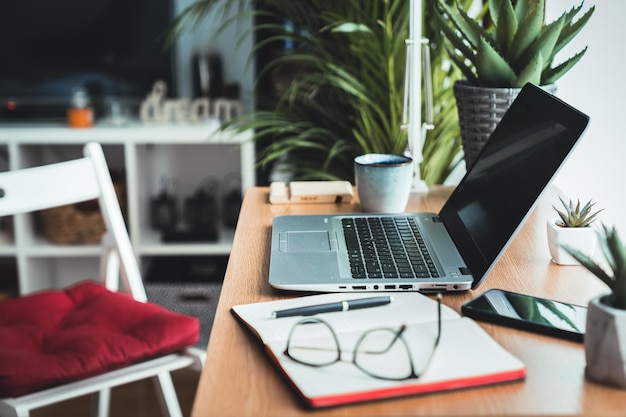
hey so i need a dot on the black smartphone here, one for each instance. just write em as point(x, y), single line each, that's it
point(526, 312)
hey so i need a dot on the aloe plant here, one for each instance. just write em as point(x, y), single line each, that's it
point(518, 47)
point(573, 215)
point(614, 273)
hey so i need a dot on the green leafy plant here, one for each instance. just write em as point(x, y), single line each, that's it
point(614, 276)
point(344, 96)
point(516, 48)
point(573, 215)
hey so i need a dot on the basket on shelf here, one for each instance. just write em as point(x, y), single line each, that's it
point(79, 223)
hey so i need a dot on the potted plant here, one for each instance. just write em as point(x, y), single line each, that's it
point(572, 229)
point(605, 345)
point(515, 48)
point(341, 85)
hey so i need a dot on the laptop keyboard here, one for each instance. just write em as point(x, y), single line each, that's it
point(387, 247)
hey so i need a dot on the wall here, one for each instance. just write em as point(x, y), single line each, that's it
point(596, 86)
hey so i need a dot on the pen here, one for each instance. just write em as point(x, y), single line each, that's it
point(331, 307)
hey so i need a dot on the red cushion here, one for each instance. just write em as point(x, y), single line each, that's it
point(58, 336)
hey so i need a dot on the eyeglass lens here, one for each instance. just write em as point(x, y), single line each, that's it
point(313, 342)
point(383, 354)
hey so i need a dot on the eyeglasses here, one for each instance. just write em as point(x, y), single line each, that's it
point(381, 353)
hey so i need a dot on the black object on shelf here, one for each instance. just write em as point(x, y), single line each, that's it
point(207, 75)
point(199, 217)
point(201, 207)
point(163, 212)
point(231, 203)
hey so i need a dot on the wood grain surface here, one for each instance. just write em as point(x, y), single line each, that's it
point(239, 380)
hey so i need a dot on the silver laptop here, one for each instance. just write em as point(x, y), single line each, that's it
point(453, 250)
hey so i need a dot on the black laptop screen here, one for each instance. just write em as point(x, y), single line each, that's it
point(519, 160)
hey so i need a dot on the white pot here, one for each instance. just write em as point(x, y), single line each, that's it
point(605, 344)
point(581, 238)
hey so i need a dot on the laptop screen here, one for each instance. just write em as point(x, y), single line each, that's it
point(519, 160)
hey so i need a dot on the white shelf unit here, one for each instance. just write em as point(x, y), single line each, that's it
point(145, 153)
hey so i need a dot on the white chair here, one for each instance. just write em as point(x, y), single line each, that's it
point(88, 178)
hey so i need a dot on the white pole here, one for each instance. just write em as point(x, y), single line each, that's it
point(415, 93)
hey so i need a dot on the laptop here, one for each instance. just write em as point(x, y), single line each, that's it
point(453, 250)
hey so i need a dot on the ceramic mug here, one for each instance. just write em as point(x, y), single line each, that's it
point(383, 182)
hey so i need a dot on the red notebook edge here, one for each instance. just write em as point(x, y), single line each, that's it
point(399, 391)
point(407, 390)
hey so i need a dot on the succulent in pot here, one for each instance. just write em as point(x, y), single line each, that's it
point(605, 350)
point(573, 229)
point(575, 216)
point(498, 59)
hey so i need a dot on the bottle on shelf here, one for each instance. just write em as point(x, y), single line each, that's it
point(80, 113)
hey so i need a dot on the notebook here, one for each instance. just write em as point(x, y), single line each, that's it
point(482, 362)
point(464, 240)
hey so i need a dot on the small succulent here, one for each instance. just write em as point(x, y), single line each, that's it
point(574, 215)
point(614, 252)
point(518, 47)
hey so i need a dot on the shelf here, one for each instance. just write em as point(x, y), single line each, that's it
point(151, 244)
point(133, 133)
point(41, 247)
point(7, 249)
point(187, 153)
point(186, 249)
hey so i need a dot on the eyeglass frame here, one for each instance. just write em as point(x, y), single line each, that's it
point(397, 336)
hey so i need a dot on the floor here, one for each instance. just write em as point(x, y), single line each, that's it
point(137, 399)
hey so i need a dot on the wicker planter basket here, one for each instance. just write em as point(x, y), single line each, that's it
point(480, 110)
point(79, 223)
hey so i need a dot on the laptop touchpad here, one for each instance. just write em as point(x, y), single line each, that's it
point(312, 241)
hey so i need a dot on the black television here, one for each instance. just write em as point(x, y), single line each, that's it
point(115, 49)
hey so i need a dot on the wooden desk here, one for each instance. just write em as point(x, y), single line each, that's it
point(239, 380)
